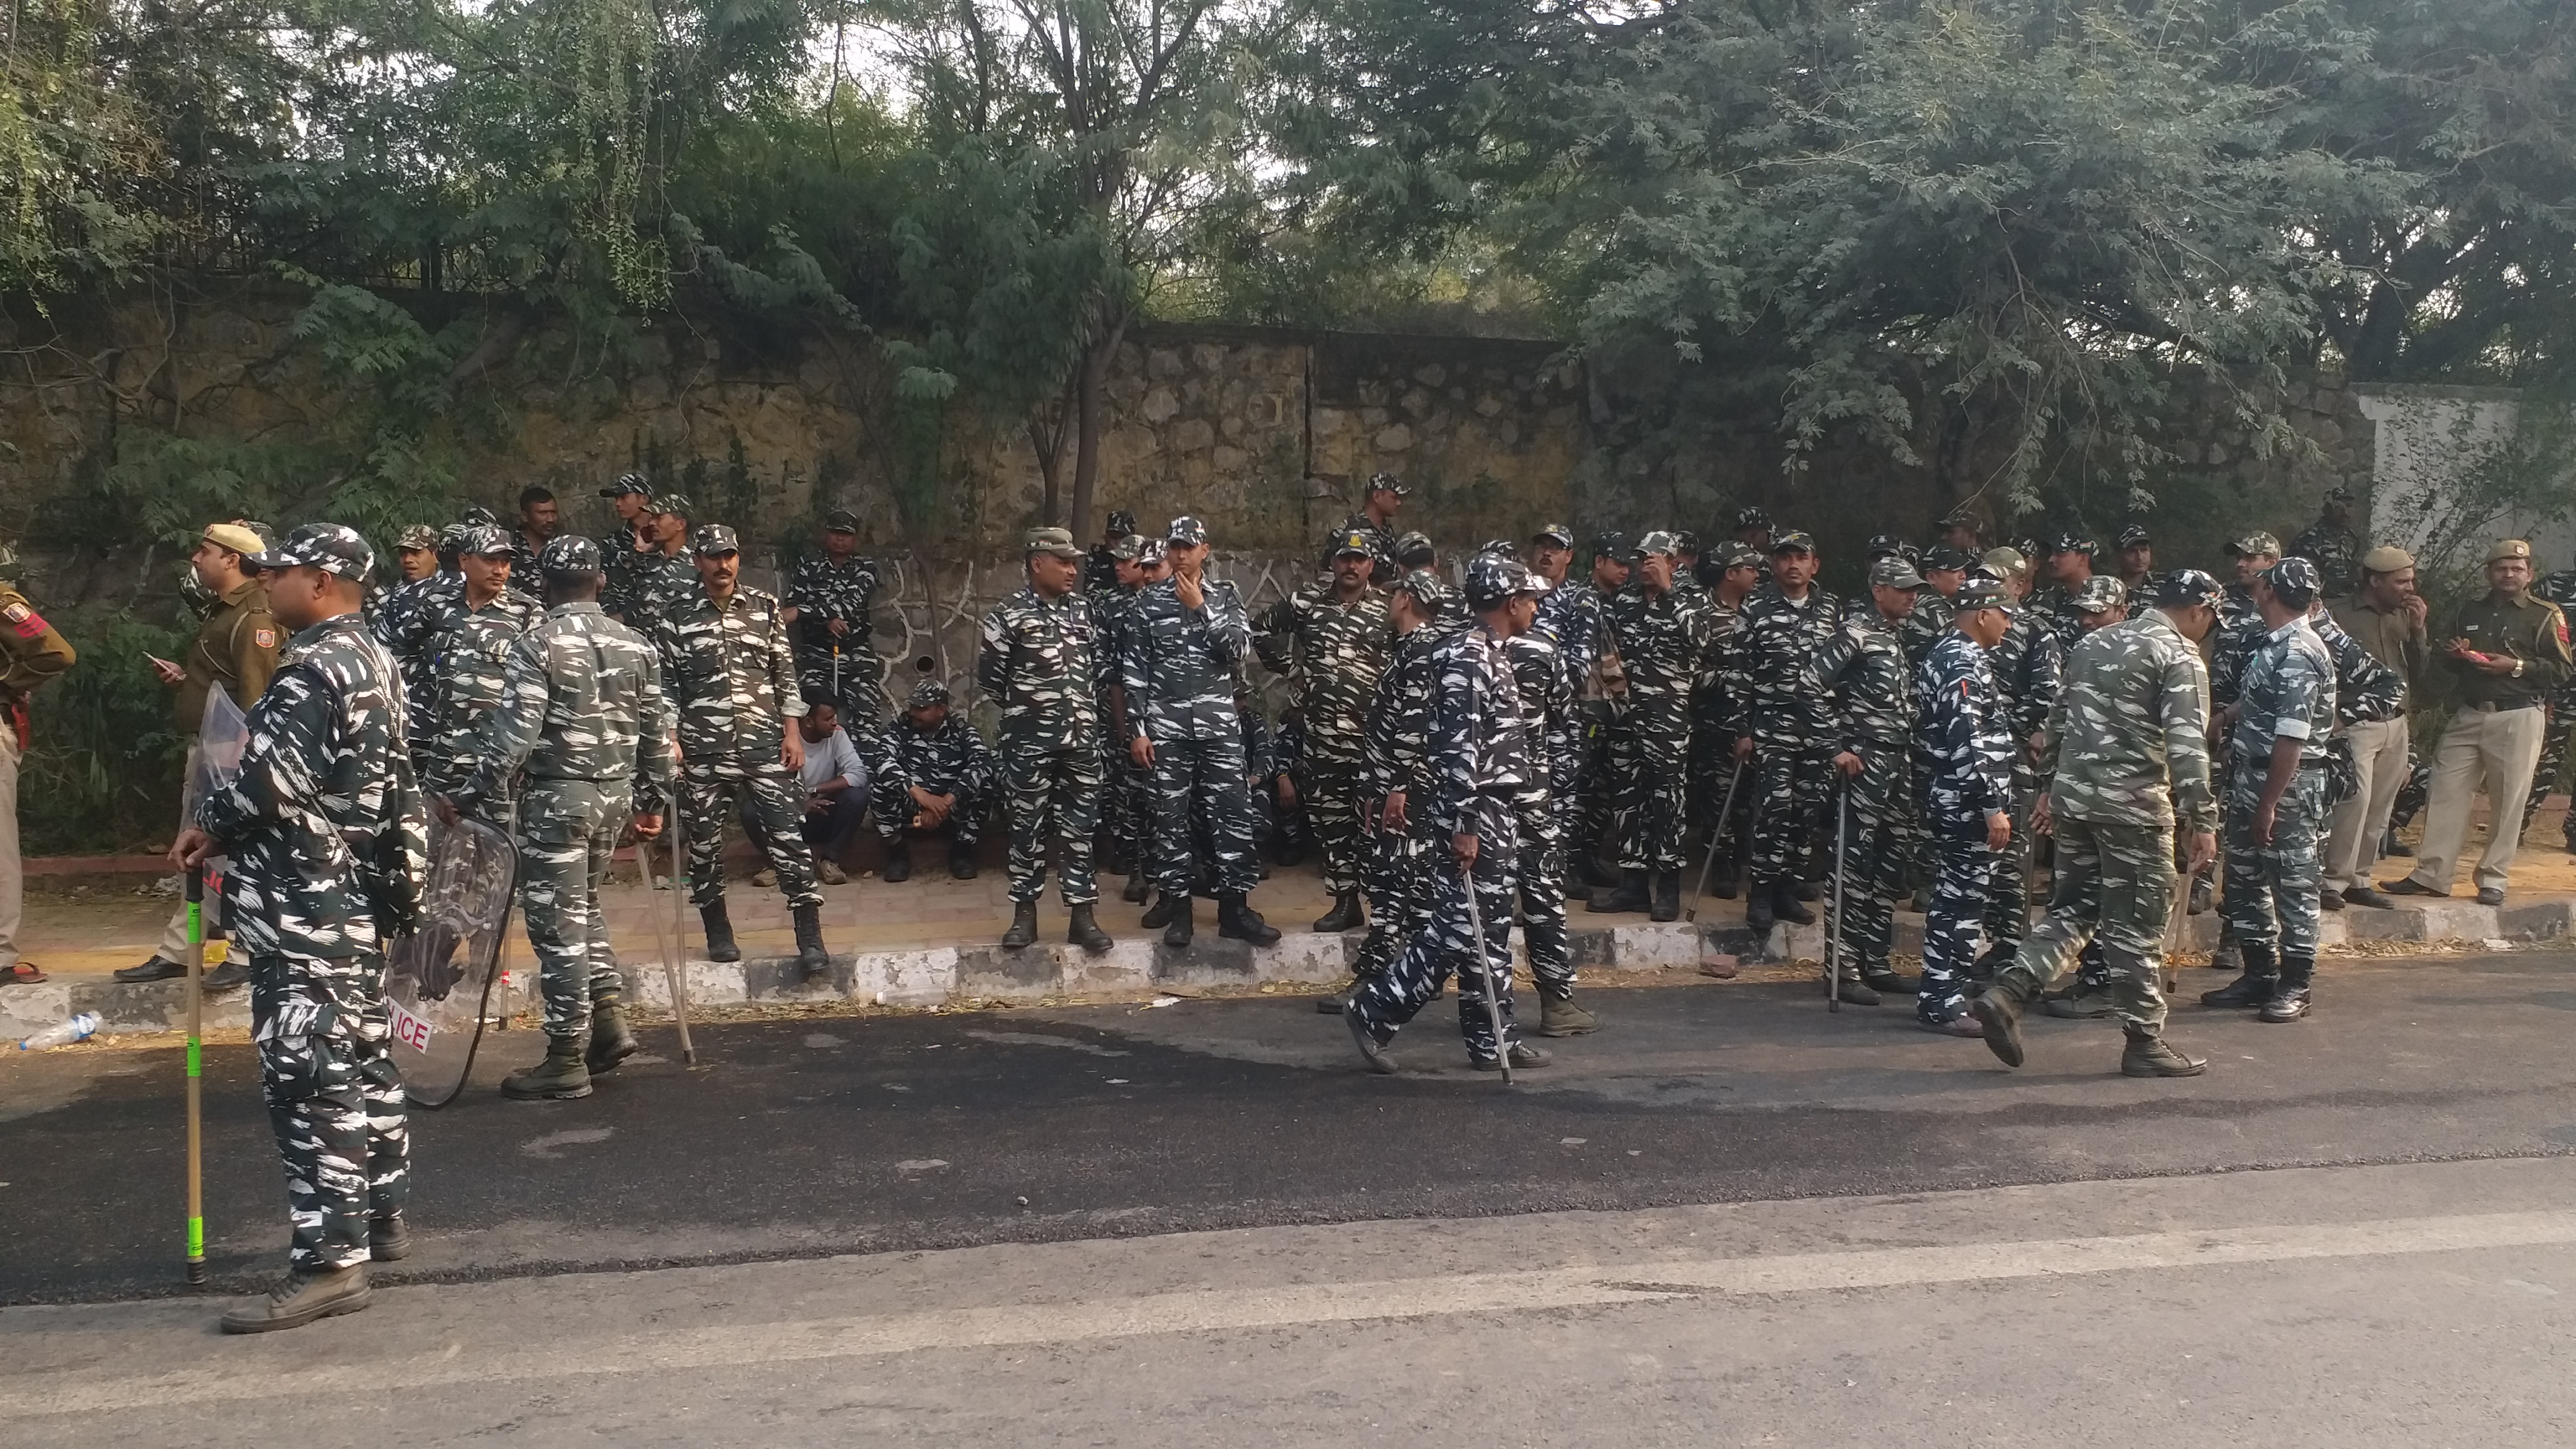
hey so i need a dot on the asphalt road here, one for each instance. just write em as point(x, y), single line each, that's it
point(801, 1139)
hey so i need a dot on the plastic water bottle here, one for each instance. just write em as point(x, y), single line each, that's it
point(62, 1033)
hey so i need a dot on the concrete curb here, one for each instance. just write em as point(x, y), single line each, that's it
point(1140, 963)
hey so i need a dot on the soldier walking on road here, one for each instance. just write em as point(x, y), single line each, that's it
point(328, 846)
point(1782, 729)
point(1862, 676)
point(1547, 722)
point(1184, 641)
point(1391, 764)
point(1966, 747)
point(581, 708)
point(1478, 758)
point(1333, 639)
point(828, 606)
point(1041, 662)
point(726, 668)
point(2128, 741)
point(2027, 665)
point(2285, 706)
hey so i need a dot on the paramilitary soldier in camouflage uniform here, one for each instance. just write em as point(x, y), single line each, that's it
point(1964, 743)
point(2276, 799)
point(1479, 757)
point(2128, 747)
point(665, 576)
point(828, 605)
point(1716, 771)
point(1331, 640)
point(1376, 518)
point(467, 659)
point(581, 708)
point(1783, 729)
point(1129, 803)
point(1184, 641)
point(2331, 545)
point(726, 668)
point(1040, 662)
point(409, 622)
point(940, 776)
point(1548, 724)
point(2558, 588)
point(626, 546)
point(1574, 618)
point(1660, 628)
point(1862, 676)
point(328, 847)
point(1391, 764)
point(2027, 665)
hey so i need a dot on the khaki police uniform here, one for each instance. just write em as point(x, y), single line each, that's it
point(34, 653)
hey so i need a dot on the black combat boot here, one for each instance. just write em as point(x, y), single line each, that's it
point(1159, 914)
point(812, 957)
point(1136, 890)
point(611, 1039)
point(1345, 915)
point(1179, 923)
point(1786, 905)
point(720, 946)
point(2289, 1000)
point(1757, 908)
point(1236, 920)
point(1883, 977)
point(1024, 926)
point(898, 862)
point(961, 861)
point(2251, 989)
point(1587, 864)
point(2147, 1055)
point(1630, 896)
point(561, 1077)
point(1666, 903)
point(1998, 1015)
point(1083, 930)
point(388, 1241)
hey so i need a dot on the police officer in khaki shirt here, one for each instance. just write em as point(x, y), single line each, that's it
point(30, 653)
point(2507, 654)
point(235, 651)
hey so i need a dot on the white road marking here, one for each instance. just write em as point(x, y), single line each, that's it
point(234, 1373)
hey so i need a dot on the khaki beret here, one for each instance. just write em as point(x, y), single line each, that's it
point(2388, 558)
point(234, 537)
point(2506, 548)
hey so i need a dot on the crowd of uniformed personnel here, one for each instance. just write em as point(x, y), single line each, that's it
point(1465, 748)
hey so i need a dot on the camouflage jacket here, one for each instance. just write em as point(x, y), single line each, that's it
point(2055, 608)
point(2240, 632)
point(581, 699)
point(1961, 732)
point(408, 623)
point(1774, 639)
point(728, 673)
point(1178, 665)
point(1399, 720)
point(1932, 617)
point(1334, 653)
point(2560, 588)
point(1862, 676)
point(2288, 691)
point(821, 591)
point(1574, 618)
point(1042, 663)
point(2366, 691)
point(2142, 594)
point(1660, 643)
point(324, 824)
point(471, 653)
point(621, 564)
point(1262, 745)
point(1478, 746)
point(1708, 682)
point(1547, 699)
point(949, 760)
point(2335, 551)
point(2027, 666)
point(659, 584)
point(2129, 735)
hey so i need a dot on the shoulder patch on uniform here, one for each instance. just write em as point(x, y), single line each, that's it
point(24, 619)
point(264, 638)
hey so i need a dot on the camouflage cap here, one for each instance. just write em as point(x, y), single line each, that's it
point(1498, 548)
point(1794, 541)
point(1491, 580)
point(1742, 556)
point(2005, 562)
point(1424, 588)
point(2255, 545)
point(1559, 534)
point(1053, 541)
point(330, 547)
point(1750, 517)
point(2295, 579)
point(1947, 559)
point(1981, 592)
point(1122, 522)
point(840, 520)
point(1387, 483)
point(673, 505)
point(2338, 494)
point(712, 540)
point(1414, 550)
point(1151, 551)
point(569, 553)
point(2505, 548)
point(2134, 535)
point(478, 515)
point(925, 694)
point(1660, 541)
point(1894, 572)
point(483, 540)
point(1960, 517)
point(1186, 531)
point(416, 536)
point(2100, 594)
point(1353, 542)
point(2187, 588)
point(1127, 548)
point(1882, 545)
point(627, 483)
point(2069, 542)
point(1612, 544)
point(1687, 540)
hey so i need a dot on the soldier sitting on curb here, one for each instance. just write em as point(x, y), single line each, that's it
point(942, 781)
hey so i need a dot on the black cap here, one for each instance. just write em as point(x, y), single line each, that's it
point(1750, 517)
point(840, 520)
point(1948, 558)
point(2134, 535)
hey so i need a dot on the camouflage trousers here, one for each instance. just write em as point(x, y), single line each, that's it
point(2112, 888)
point(2271, 898)
point(1386, 1001)
point(2417, 789)
point(1654, 760)
point(567, 831)
point(1399, 902)
point(861, 695)
point(1963, 870)
point(1208, 774)
point(335, 1104)
point(1330, 792)
point(1541, 893)
point(2008, 894)
point(2544, 774)
point(1589, 807)
point(1875, 854)
point(893, 809)
point(708, 791)
point(1792, 796)
point(1711, 770)
point(1052, 792)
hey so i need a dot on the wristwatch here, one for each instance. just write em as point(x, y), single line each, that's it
point(2517, 670)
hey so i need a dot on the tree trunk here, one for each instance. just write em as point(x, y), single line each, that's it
point(1089, 405)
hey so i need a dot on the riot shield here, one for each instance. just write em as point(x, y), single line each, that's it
point(213, 761)
point(438, 984)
